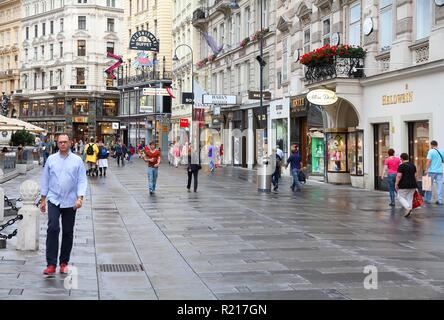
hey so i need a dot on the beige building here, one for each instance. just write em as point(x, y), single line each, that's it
point(10, 15)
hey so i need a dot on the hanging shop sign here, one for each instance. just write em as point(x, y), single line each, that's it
point(183, 123)
point(322, 97)
point(298, 106)
point(151, 44)
point(115, 125)
point(256, 95)
point(218, 99)
point(187, 98)
point(155, 91)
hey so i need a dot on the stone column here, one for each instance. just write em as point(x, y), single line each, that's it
point(28, 228)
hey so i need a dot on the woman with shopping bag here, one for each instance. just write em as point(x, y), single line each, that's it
point(406, 185)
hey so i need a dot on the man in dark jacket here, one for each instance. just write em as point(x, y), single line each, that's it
point(192, 170)
point(295, 165)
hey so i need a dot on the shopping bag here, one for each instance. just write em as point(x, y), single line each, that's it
point(426, 183)
point(417, 200)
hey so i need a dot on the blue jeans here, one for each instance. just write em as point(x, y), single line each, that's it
point(152, 178)
point(296, 183)
point(52, 237)
point(391, 184)
point(438, 178)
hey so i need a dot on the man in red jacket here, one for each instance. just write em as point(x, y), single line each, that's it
point(152, 157)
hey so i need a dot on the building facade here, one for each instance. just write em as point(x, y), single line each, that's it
point(146, 117)
point(64, 87)
point(10, 38)
point(239, 27)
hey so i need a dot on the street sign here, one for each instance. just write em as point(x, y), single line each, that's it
point(155, 91)
point(187, 97)
point(183, 123)
point(256, 95)
point(218, 99)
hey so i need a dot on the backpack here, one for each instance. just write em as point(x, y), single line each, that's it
point(90, 149)
point(118, 149)
point(103, 153)
point(210, 152)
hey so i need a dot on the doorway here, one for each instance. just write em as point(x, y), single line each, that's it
point(419, 146)
point(381, 132)
point(80, 131)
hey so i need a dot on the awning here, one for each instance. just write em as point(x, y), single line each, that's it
point(16, 124)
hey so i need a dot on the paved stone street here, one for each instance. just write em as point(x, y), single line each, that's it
point(227, 241)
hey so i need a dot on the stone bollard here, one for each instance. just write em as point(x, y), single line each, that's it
point(29, 226)
point(2, 204)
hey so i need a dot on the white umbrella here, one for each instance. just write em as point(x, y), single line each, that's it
point(20, 124)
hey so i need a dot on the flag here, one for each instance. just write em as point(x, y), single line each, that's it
point(212, 43)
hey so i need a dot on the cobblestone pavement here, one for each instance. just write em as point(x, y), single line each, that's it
point(227, 241)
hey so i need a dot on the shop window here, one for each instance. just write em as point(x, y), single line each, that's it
point(109, 81)
point(382, 145)
point(42, 108)
point(59, 127)
point(24, 109)
point(355, 153)
point(80, 107)
point(419, 145)
point(337, 153)
point(60, 106)
point(34, 106)
point(50, 107)
point(110, 108)
point(280, 128)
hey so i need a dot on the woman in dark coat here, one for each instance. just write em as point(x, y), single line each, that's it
point(192, 170)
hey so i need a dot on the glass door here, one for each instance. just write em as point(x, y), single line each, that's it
point(382, 144)
point(419, 146)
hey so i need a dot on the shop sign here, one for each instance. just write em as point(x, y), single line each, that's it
point(146, 109)
point(322, 97)
point(115, 125)
point(80, 119)
point(218, 99)
point(256, 95)
point(122, 127)
point(397, 98)
point(187, 98)
point(299, 105)
point(151, 45)
point(216, 110)
point(155, 91)
point(184, 123)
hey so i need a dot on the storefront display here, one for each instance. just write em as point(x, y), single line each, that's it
point(419, 145)
point(280, 135)
point(355, 153)
point(337, 153)
point(382, 145)
point(317, 155)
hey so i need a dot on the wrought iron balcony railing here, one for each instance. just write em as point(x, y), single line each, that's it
point(336, 68)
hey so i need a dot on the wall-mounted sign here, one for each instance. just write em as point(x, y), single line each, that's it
point(322, 97)
point(115, 125)
point(183, 123)
point(406, 97)
point(146, 109)
point(256, 95)
point(123, 127)
point(155, 91)
point(368, 26)
point(80, 119)
point(187, 98)
point(149, 43)
point(218, 99)
point(298, 106)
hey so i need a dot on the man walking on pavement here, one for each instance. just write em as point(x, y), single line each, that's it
point(118, 149)
point(295, 165)
point(152, 157)
point(435, 160)
point(63, 186)
point(91, 151)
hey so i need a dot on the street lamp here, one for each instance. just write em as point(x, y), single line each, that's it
point(175, 58)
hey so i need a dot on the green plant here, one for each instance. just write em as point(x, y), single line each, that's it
point(22, 137)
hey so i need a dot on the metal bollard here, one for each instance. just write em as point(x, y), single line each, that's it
point(29, 227)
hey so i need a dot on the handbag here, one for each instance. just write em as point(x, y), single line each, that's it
point(426, 183)
point(417, 200)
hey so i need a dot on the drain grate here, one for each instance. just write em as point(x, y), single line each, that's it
point(120, 267)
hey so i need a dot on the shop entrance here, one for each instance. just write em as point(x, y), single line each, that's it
point(419, 146)
point(381, 133)
point(80, 131)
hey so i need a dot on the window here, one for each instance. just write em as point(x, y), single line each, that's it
point(237, 31)
point(36, 31)
point(61, 49)
point(265, 13)
point(110, 47)
point(51, 51)
point(50, 102)
point(35, 81)
point(247, 22)
point(81, 1)
point(355, 25)
point(385, 24)
point(230, 32)
point(60, 76)
point(61, 25)
point(111, 3)
point(43, 28)
point(82, 23)
point(129, 33)
point(26, 55)
point(326, 31)
point(130, 8)
point(35, 53)
point(221, 35)
point(110, 25)
point(51, 27)
point(80, 72)
point(307, 41)
point(247, 75)
point(27, 33)
point(51, 78)
point(81, 48)
point(423, 18)
point(25, 82)
point(43, 80)
point(285, 59)
point(43, 52)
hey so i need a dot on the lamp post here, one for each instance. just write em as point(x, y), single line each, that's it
point(175, 58)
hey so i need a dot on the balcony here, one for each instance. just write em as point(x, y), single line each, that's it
point(200, 19)
point(344, 68)
point(224, 6)
point(6, 73)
